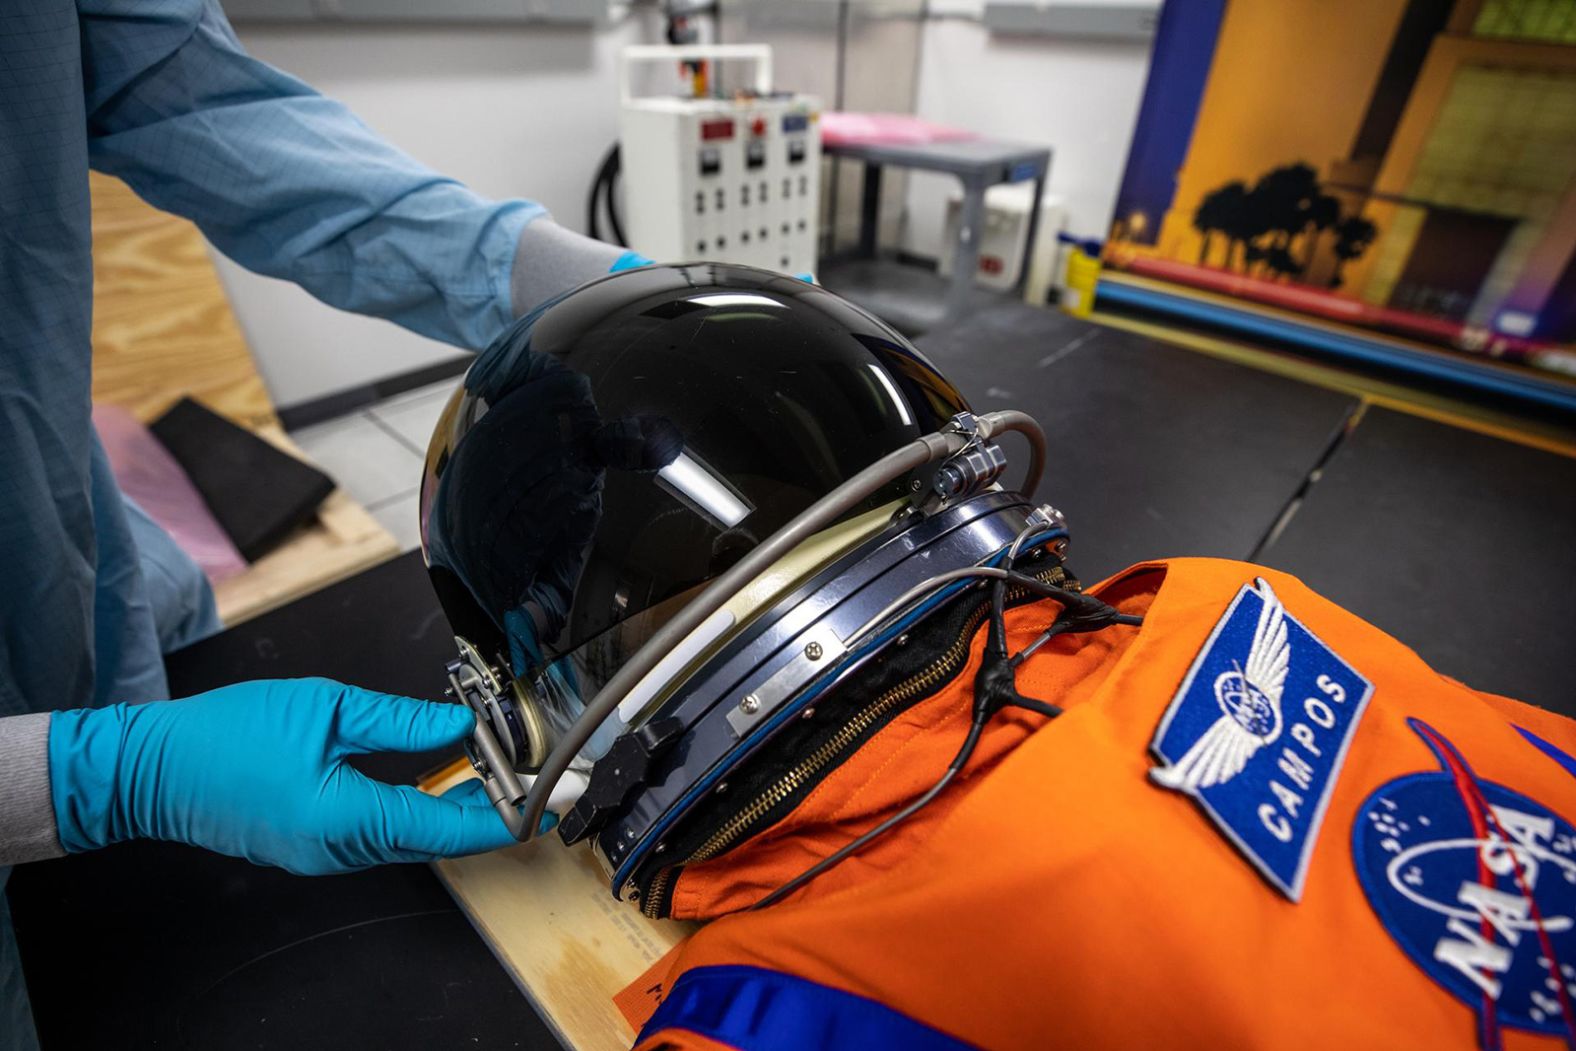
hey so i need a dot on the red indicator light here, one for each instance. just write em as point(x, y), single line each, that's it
point(711, 130)
point(758, 127)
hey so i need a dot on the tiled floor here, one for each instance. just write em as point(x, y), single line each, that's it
point(376, 454)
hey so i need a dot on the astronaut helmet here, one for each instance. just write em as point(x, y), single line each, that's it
point(670, 513)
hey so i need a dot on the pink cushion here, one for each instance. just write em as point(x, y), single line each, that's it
point(149, 475)
point(885, 129)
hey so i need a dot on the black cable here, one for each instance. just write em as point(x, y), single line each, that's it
point(996, 683)
point(1061, 626)
point(1035, 584)
point(998, 592)
point(607, 175)
point(613, 182)
point(995, 687)
point(957, 764)
point(998, 613)
point(989, 697)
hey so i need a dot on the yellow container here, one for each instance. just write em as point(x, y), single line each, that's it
point(1083, 272)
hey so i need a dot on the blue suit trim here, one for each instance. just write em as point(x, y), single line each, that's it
point(1553, 751)
point(754, 1009)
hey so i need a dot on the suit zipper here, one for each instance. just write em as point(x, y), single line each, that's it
point(655, 901)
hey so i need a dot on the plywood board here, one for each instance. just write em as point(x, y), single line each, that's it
point(162, 325)
point(343, 540)
point(162, 330)
point(547, 913)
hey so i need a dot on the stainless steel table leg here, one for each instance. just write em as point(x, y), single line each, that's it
point(966, 255)
point(1029, 238)
point(870, 211)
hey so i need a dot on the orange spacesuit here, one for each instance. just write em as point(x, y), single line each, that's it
point(1260, 822)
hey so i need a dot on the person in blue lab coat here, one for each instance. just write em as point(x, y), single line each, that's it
point(290, 184)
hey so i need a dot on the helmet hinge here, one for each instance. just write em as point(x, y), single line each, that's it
point(966, 472)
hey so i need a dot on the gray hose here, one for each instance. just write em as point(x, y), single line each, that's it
point(818, 516)
point(1029, 427)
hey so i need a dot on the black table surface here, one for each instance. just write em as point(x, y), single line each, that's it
point(156, 945)
point(1461, 545)
point(1154, 451)
point(1456, 543)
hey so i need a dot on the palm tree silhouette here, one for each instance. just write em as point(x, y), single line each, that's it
point(1353, 235)
point(1282, 199)
point(1285, 210)
point(1322, 213)
point(1220, 211)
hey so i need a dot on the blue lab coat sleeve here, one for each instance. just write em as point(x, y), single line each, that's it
point(286, 182)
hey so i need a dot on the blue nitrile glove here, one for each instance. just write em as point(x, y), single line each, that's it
point(257, 770)
point(629, 261)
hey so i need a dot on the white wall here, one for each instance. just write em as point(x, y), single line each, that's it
point(1078, 96)
point(512, 111)
point(529, 110)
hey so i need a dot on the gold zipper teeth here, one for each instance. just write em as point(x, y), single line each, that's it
point(812, 764)
point(656, 892)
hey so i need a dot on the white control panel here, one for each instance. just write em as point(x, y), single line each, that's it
point(735, 180)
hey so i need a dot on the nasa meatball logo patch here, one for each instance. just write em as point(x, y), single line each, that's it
point(1258, 731)
point(1477, 885)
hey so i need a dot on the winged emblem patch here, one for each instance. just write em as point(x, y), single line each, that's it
point(1258, 730)
point(1249, 695)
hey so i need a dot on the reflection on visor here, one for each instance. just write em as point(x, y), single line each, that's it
point(700, 486)
point(561, 699)
point(565, 683)
point(735, 299)
point(897, 399)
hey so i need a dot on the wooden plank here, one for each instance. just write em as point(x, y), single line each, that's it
point(163, 329)
point(342, 541)
point(548, 915)
point(162, 325)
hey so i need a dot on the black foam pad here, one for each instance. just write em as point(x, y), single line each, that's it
point(257, 493)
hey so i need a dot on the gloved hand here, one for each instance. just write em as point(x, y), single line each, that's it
point(257, 770)
point(628, 261)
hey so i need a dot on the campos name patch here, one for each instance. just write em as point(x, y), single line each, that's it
point(1258, 731)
